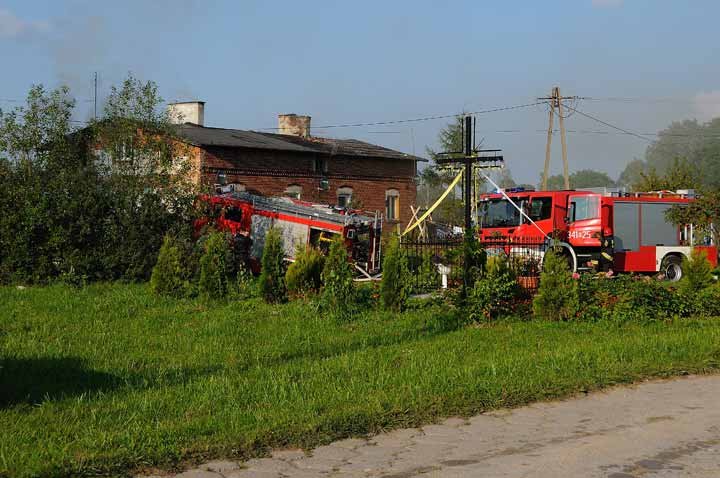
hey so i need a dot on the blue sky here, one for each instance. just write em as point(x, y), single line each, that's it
point(349, 62)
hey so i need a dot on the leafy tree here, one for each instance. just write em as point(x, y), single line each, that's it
point(395, 286)
point(697, 144)
point(681, 174)
point(557, 297)
point(632, 173)
point(585, 178)
point(68, 206)
point(338, 294)
point(272, 276)
point(703, 212)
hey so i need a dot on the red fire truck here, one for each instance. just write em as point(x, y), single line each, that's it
point(248, 217)
point(625, 232)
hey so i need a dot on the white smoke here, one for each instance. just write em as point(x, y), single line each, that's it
point(706, 105)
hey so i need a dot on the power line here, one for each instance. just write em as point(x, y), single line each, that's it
point(622, 99)
point(426, 118)
point(609, 125)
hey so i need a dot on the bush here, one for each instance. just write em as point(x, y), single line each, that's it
point(305, 274)
point(395, 287)
point(215, 265)
point(628, 297)
point(708, 301)
point(495, 293)
point(697, 272)
point(169, 275)
point(428, 276)
point(557, 297)
point(338, 296)
point(272, 276)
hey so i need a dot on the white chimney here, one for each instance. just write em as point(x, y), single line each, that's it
point(295, 125)
point(187, 112)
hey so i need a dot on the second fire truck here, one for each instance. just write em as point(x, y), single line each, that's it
point(623, 232)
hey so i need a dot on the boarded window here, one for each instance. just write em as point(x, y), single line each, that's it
point(344, 196)
point(392, 204)
point(293, 191)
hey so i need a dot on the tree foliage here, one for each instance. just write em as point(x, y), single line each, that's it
point(697, 273)
point(305, 274)
point(215, 266)
point(689, 141)
point(557, 297)
point(395, 286)
point(70, 205)
point(338, 295)
point(272, 276)
point(585, 178)
point(169, 274)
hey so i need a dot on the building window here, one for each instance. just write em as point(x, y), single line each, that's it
point(293, 191)
point(344, 196)
point(392, 205)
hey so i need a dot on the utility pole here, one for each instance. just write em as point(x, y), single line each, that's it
point(95, 102)
point(555, 101)
point(470, 157)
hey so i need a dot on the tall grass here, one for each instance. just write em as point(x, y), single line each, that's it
point(110, 378)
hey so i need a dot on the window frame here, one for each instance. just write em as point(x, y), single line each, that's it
point(392, 195)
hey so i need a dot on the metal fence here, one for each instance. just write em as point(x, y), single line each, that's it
point(436, 264)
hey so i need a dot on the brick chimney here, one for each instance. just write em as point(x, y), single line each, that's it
point(295, 125)
point(187, 112)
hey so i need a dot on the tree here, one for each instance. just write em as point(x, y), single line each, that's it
point(557, 297)
point(338, 294)
point(681, 174)
point(691, 142)
point(272, 276)
point(434, 180)
point(585, 178)
point(395, 285)
point(632, 173)
point(74, 201)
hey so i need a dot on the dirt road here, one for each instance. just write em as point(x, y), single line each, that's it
point(656, 429)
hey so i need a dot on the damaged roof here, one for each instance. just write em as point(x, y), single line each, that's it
point(236, 138)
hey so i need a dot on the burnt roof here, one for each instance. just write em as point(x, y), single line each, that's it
point(237, 138)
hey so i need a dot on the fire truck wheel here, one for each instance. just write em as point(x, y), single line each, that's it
point(672, 268)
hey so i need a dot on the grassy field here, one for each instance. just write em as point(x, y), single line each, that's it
point(110, 379)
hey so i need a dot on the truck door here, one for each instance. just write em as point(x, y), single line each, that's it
point(583, 220)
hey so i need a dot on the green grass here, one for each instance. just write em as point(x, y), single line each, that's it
point(110, 379)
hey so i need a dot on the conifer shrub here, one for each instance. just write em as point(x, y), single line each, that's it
point(304, 276)
point(395, 287)
point(169, 274)
point(495, 293)
point(697, 273)
point(339, 297)
point(557, 297)
point(215, 267)
point(272, 276)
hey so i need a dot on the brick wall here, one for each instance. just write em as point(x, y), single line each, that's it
point(270, 173)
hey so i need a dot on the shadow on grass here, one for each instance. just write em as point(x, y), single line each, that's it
point(36, 380)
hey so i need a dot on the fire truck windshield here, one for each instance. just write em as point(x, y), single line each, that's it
point(500, 213)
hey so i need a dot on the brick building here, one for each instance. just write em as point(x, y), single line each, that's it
point(294, 163)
